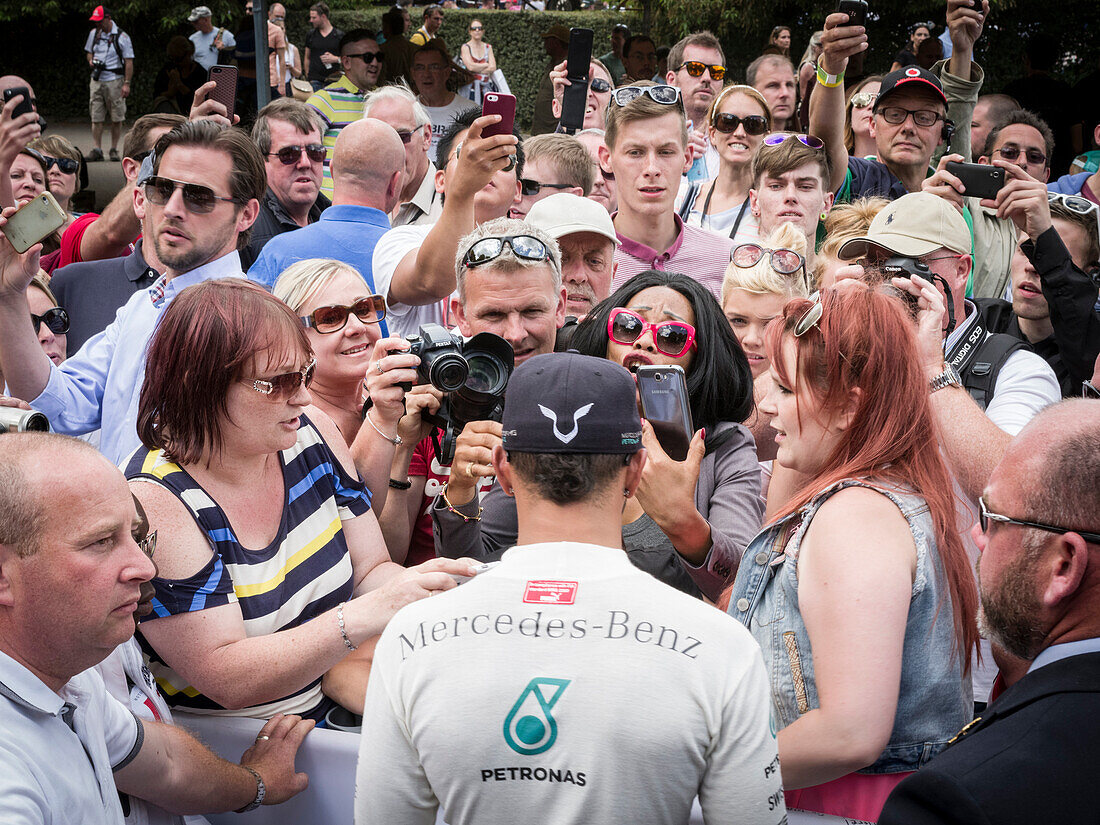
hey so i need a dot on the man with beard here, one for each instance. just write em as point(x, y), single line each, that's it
point(203, 197)
point(697, 66)
point(1027, 758)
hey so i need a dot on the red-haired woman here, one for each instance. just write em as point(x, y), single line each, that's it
point(272, 566)
point(859, 591)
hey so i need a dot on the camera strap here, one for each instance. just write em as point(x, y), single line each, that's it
point(966, 348)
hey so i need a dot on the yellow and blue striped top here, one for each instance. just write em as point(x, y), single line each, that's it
point(305, 571)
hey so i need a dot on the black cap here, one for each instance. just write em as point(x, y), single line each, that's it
point(571, 403)
point(910, 78)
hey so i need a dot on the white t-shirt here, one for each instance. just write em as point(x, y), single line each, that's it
point(205, 53)
point(442, 116)
point(402, 319)
point(567, 684)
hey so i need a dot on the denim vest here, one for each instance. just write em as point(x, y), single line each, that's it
point(934, 702)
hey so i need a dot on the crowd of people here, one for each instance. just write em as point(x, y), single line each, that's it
point(863, 583)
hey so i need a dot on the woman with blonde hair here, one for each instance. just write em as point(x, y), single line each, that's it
point(859, 116)
point(752, 295)
point(737, 121)
point(844, 222)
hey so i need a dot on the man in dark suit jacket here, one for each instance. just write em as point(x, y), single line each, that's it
point(1029, 757)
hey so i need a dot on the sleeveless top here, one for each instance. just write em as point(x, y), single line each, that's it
point(304, 572)
point(934, 700)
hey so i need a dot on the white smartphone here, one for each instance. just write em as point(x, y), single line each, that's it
point(33, 221)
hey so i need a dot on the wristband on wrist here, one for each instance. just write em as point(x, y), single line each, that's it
point(397, 484)
point(261, 792)
point(343, 629)
point(829, 81)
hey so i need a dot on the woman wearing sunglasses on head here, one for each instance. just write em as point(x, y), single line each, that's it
point(859, 117)
point(272, 566)
point(697, 514)
point(599, 92)
point(738, 119)
point(859, 590)
point(761, 278)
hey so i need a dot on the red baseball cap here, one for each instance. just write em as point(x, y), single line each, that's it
point(99, 14)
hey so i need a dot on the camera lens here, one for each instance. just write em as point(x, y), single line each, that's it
point(486, 374)
point(448, 371)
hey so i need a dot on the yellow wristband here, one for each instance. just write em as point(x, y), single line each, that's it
point(829, 81)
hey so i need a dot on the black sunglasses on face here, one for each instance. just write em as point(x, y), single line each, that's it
point(599, 85)
point(406, 135)
point(55, 319)
point(532, 187)
point(1012, 153)
point(66, 165)
point(522, 246)
point(196, 198)
point(696, 69)
point(369, 310)
point(727, 123)
point(289, 155)
point(367, 57)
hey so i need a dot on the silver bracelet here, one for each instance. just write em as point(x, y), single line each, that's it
point(395, 440)
point(343, 630)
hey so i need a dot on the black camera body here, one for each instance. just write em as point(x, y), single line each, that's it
point(902, 267)
point(97, 69)
point(472, 375)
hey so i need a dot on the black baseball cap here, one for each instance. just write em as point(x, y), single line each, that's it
point(910, 78)
point(571, 403)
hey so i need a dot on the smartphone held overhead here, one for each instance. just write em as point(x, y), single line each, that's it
point(498, 103)
point(577, 66)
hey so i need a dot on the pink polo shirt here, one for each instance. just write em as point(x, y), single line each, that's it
point(697, 253)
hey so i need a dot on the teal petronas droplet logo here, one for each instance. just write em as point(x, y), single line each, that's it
point(530, 727)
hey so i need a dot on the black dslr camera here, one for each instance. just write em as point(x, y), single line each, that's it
point(472, 375)
point(901, 267)
point(97, 69)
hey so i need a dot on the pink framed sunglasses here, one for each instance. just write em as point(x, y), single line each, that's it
point(673, 338)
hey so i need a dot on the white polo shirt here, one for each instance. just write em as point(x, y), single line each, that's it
point(58, 751)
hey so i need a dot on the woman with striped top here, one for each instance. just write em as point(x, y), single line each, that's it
point(272, 566)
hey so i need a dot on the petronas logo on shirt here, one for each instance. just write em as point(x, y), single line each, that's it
point(530, 727)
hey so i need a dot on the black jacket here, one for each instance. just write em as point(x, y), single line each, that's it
point(273, 220)
point(1031, 759)
point(1071, 296)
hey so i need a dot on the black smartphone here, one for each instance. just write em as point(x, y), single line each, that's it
point(225, 90)
point(24, 106)
point(575, 98)
point(662, 391)
point(857, 16)
point(980, 180)
point(498, 103)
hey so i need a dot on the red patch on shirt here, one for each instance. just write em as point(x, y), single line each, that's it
point(550, 592)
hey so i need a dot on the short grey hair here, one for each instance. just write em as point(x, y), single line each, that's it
point(397, 91)
point(498, 228)
point(302, 117)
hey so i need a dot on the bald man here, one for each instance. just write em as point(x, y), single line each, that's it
point(368, 166)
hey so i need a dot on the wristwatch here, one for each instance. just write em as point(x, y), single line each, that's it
point(261, 792)
point(948, 378)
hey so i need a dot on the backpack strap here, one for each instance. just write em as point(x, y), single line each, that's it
point(979, 375)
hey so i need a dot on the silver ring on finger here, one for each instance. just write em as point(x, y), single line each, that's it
point(262, 737)
point(511, 163)
point(378, 366)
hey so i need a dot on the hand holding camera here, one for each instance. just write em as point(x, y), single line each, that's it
point(390, 370)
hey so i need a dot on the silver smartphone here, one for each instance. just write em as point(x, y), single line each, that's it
point(663, 393)
point(34, 221)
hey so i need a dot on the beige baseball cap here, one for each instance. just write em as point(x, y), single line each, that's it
point(912, 226)
point(565, 214)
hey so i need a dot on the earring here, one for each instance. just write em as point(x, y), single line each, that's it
point(626, 493)
point(824, 215)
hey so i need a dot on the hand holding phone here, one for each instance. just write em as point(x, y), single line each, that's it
point(978, 179)
point(578, 63)
point(33, 221)
point(24, 106)
point(857, 16)
point(498, 103)
point(225, 88)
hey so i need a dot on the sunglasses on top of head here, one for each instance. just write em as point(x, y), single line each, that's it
point(196, 198)
point(289, 155)
point(326, 319)
point(523, 246)
point(673, 338)
point(778, 138)
point(661, 93)
point(285, 385)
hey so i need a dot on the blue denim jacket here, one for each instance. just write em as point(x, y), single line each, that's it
point(934, 702)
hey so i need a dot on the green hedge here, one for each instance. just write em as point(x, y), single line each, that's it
point(515, 38)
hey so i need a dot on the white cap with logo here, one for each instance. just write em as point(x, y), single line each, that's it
point(565, 214)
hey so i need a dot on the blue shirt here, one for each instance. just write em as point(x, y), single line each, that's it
point(346, 232)
point(99, 387)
